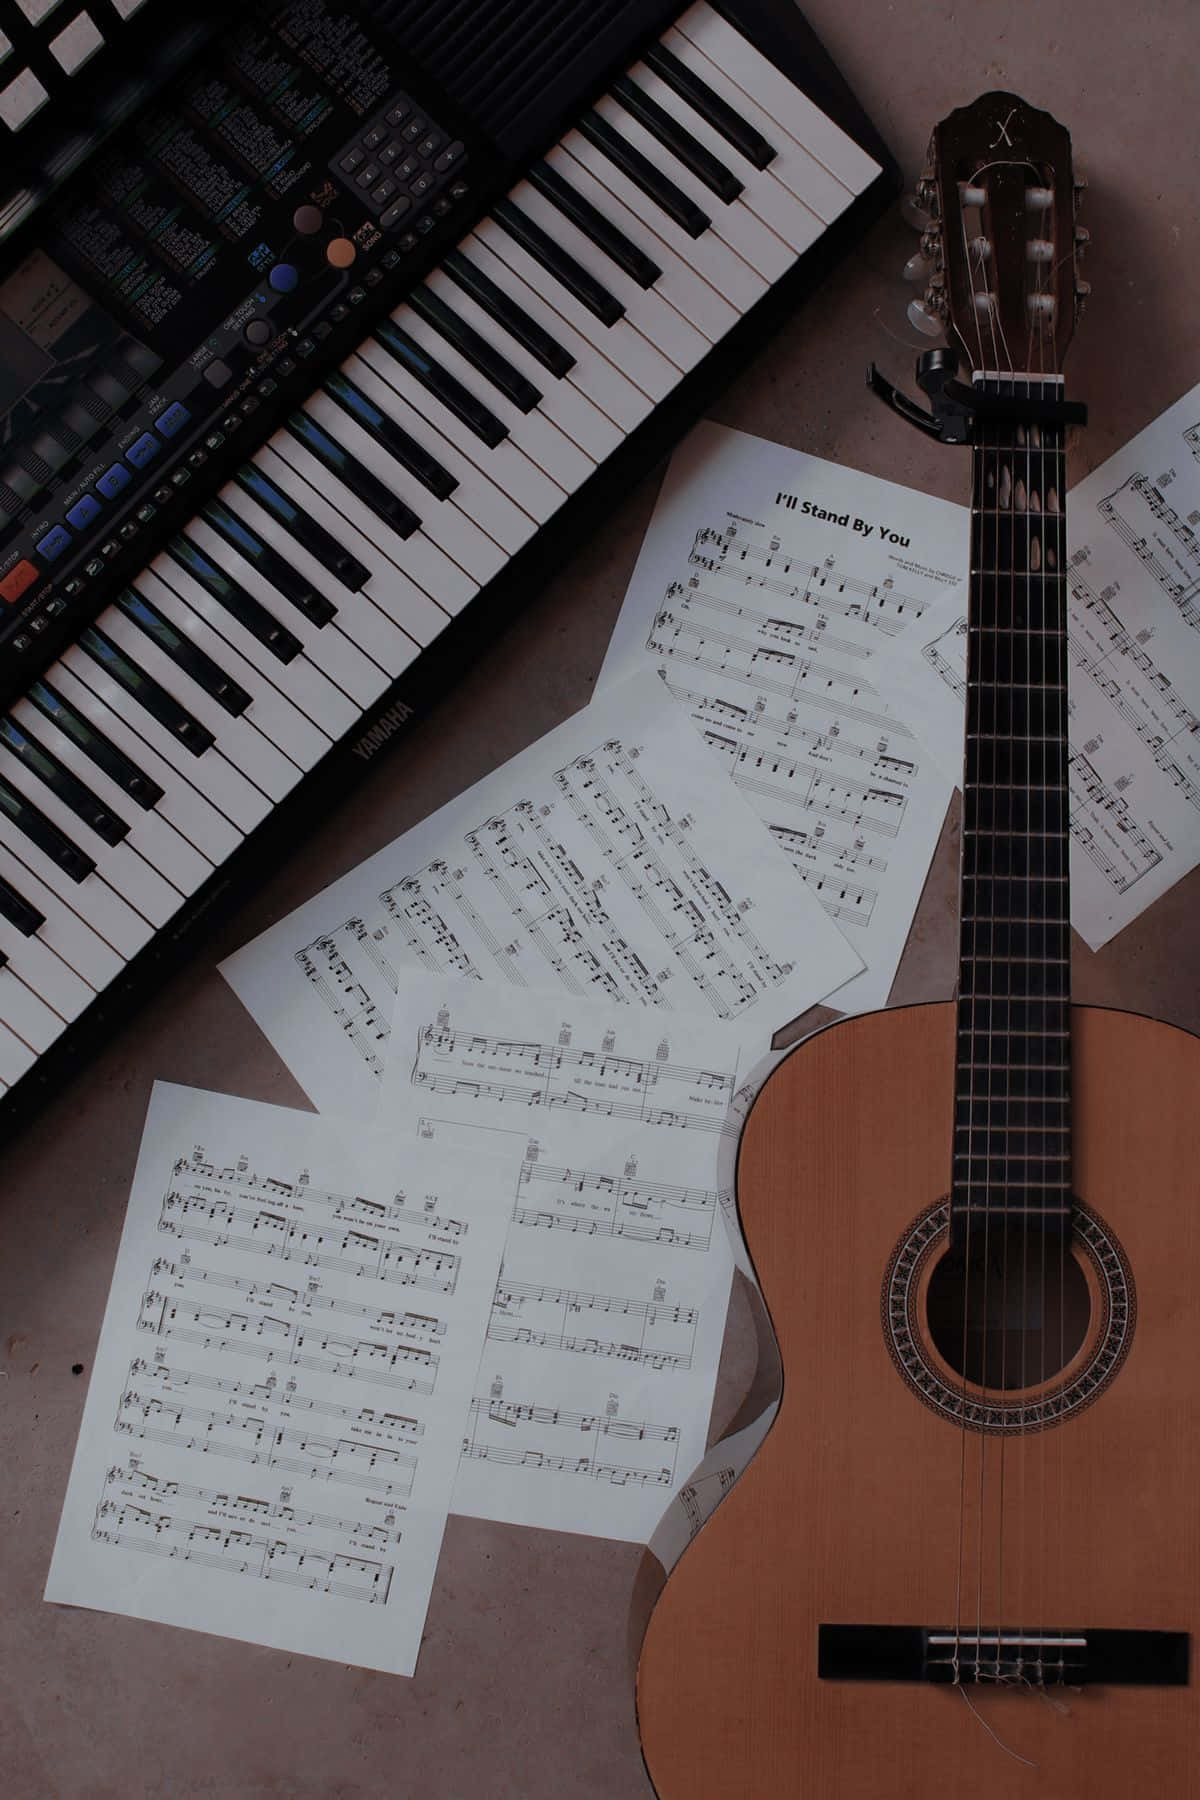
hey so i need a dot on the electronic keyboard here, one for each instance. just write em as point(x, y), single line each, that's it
point(323, 357)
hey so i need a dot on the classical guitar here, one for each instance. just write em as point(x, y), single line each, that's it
point(966, 1561)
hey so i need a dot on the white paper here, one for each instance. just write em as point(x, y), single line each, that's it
point(282, 1382)
point(596, 1382)
point(603, 860)
point(776, 628)
point(1134, 637)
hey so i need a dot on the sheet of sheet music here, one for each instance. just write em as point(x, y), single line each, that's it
point(282, 1382)
point(1133, 530)
point(770, 593)
point(595, 1387)
point(604, 860)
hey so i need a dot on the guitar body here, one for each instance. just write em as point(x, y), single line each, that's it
point(856, 1506)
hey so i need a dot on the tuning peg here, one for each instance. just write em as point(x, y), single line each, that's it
point(918, 268)
point(923, 318)
point(913, 213)
point(1083, 238)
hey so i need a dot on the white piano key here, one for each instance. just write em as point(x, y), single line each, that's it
point(274, 715)
point(238, 739)
point(92, 898)
point(620, 343)
point(561, 400)
point(45, 972)
point(796, 223)
point(796, 167)
point(304, 684)
point(191, 812)
point(688, 292)
point(69, 936)
point(489, 505)
point(708, 254)
point(506, 463)
point(534, 433)
point(787, 105)
point(150, 833)
point(338, 647)
point(368, 615)
point(15, 1057)
point(594, 374)
point(443, 523)
point(747, 236)
point(645, 308)
point(387, 555)
point(127, 873)
point(243, 804)
point(25, 1014)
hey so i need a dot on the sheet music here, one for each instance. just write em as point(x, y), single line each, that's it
point(604, 860)
point(282, 1382)
point(596, 1382)
point(1133, 623)
point(770, 593)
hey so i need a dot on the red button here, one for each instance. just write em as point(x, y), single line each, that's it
point(17, 580)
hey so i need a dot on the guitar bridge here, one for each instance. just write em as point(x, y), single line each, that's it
point(1036, 1658)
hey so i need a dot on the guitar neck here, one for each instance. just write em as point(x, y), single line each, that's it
point(1012, 1094)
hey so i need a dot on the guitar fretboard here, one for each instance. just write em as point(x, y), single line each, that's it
point(1012, 1093)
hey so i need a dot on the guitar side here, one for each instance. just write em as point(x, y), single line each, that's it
point(852, 1510)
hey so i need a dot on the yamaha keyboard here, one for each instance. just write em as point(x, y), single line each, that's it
point(324, 354)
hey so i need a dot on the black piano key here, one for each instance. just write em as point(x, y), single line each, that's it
point(640, 170)
point(101, 750)
point(680, 143)
point(312, 537)
point(346, 468)
point(184, 652)
point(441, 384)
point(476, 349)
point(504, 309)
point(18, 912)
point(146, 691)
point(73, 793)
point(719, 114)
point(592, 222)
point(574, 277)
point(42, 831)
point(397, 442)
point(275, 569)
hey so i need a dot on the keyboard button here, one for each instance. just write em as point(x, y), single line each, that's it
point(173, 419)
point(518, 323)
point(54, 543)
point(709, 105)
point(323, 545)
point(19, 580)
point(352, 160)
point(449, 157)
point(78, 798)
point(261, 624)
point(83, 512)
point(570, 274)
point(475, 347)
point(142, 450)
point(114, 478)
point(677, 140)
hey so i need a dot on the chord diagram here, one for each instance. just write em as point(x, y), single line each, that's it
point(1165, 546)
point(653, 1333)
point(554, 1440)
point(595, 1203)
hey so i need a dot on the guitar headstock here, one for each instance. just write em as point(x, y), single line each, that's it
point(1001, 243)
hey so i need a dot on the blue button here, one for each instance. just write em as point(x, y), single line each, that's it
point(143, 449)
point(83, 512)
point(112, 481)
point(54, 542)
point(171, 421)
point(283, 278)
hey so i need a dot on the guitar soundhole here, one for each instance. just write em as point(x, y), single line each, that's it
point(1012, 1313)
point(1036, 1349)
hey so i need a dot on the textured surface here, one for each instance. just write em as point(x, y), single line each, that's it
point(525, 1685)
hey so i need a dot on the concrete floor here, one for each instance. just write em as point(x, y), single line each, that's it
point(525, 1684)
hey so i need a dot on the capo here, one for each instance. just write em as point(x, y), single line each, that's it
point(956, 407)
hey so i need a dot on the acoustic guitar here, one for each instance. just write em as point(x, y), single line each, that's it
point(966, 1561)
